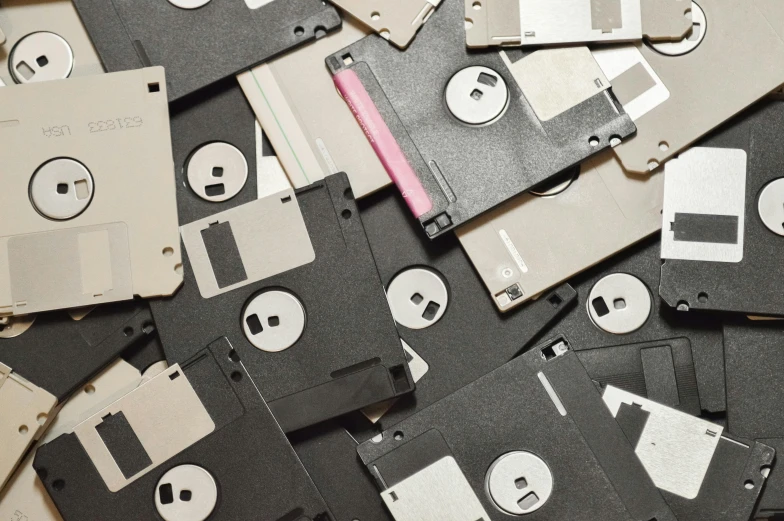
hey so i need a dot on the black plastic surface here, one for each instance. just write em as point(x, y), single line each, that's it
point(754, 353)
point(733, 481)
point(329, 454)
point(724, 495)
point(257, 472)
point(200, 46)
point(480, 166)
point(771, 504)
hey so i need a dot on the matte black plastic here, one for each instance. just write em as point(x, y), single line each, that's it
point(754, 356)
point(470, 326)
point(671, 381)
point(737, 463)
point(329, 454)
point(732, 483)
point(221, 114)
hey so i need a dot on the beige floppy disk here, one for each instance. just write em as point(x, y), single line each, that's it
point(731, 59)
point(88, 211)
point(557, 22)
point(311, 128)
point(532, 243)
point(396, 20)
point(27, 411)
point(44, 40)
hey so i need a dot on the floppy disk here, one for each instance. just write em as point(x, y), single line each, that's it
point(88, 210)
point(216, 157)
point(24, 495)
point(754, 357)
point(446, 461)
point(543, 22)
point(702, 472)
point(196, 441)
point(43, 41)
point(290, 280)
point(662, 371)
point(45, 358)
point(460, 132)
point(440, 308)
point(329, 454)
point(395, 20)
point(227, 36)
point(669, 88)
point(527, 245)
point(723, 221)
point(618, 306)
point(313, 131)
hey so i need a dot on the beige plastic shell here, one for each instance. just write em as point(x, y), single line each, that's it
point(126, 242)
point(311, 128)
point(604, 211)
point(556, 22)
point(737, 63)
point(396, 20)
point(27, 411)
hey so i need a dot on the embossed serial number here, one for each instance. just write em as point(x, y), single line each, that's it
point(115, 124)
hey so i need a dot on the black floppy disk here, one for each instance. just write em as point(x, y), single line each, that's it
point(723, 228)
point(195, 441)
point(290, 280)
point(488, 451)
point(460, 132)
point(754, 358)
point(704, 473)
point(618, 306)
point(200, 41)
point(453, 333)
